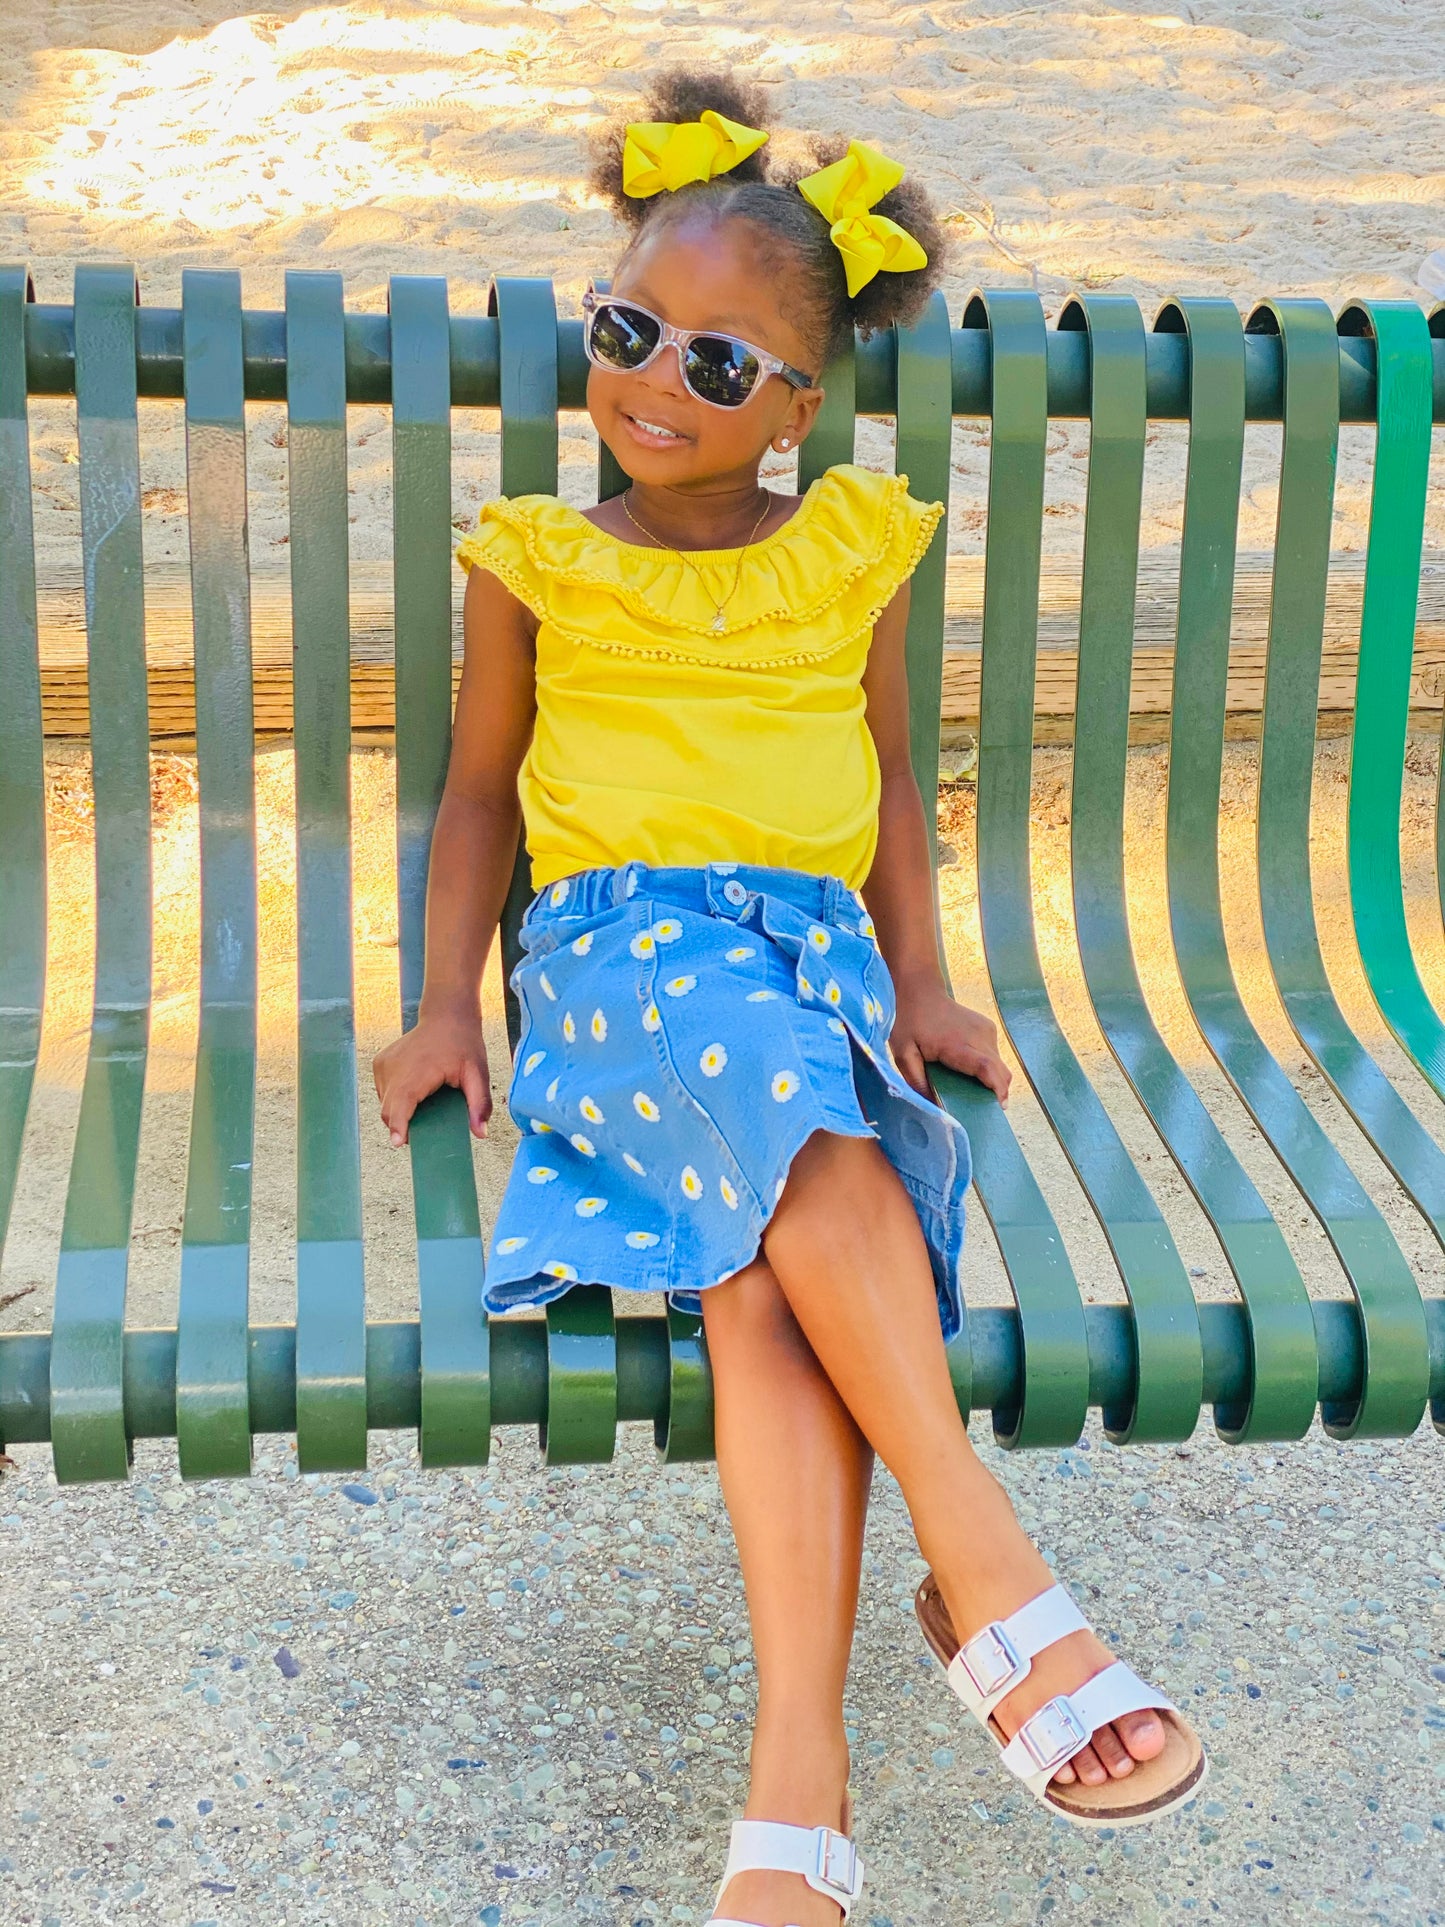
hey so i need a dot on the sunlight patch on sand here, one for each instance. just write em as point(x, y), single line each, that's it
point(357, 136)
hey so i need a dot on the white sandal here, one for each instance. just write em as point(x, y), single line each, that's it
point(827, 1860)
point(990, 1664)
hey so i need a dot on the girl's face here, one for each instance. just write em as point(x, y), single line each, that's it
point(701, 275)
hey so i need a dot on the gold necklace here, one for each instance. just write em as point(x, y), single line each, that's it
point(717, 622)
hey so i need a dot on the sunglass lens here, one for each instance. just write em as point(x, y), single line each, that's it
point(623, 337)
point(721, 370)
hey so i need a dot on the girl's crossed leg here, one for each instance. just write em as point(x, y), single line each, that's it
point(827, 1348)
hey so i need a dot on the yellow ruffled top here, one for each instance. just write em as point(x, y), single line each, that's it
point(661, 740)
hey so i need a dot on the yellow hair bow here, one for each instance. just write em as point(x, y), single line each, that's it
point(843, 193)
point(665, 153)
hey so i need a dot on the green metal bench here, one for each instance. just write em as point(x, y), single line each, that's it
point(1373, 1364)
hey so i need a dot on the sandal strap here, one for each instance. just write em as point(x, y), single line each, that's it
point(826, 1859)
point(1064, 1726)
point(990, 1664)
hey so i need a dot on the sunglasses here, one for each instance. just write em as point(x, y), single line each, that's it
point(723, 371)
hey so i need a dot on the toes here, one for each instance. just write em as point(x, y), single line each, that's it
point(1142, 1733)
point(1087, 1765)
point(1112, 1751)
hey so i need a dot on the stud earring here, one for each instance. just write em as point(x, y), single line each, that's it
point(785, 441)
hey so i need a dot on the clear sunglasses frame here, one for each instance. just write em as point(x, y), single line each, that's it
point(681, 337)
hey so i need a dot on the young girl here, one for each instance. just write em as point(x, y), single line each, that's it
point(694, 696)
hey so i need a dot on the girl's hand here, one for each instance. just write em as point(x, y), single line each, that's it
point(438, 1050)
point(931, 1028)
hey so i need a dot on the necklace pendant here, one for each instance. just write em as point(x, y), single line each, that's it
point(717, 623)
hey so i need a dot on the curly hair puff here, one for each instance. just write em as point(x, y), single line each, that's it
point(799, 255)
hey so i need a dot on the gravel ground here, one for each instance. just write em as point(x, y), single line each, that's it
point(516, 1695)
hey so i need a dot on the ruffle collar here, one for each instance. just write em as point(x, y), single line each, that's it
point(841, 528)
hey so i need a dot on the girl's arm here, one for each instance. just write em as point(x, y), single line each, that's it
point(473, 849)
point(930, 1026)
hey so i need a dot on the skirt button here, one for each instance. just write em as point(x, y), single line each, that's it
point(734, 891)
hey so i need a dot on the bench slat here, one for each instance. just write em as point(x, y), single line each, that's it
point(456, 1388)
point(22, 764)
point(86, 1390)
point(581, 1422)
point(1165, 1316)
point(1399, 485)
point(1052, 1327)
point(212, 1394)
point(330, 1280)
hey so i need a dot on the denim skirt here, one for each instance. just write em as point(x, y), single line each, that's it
point(685, 1030)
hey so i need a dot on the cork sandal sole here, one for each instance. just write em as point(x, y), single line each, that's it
point(1154, 1788)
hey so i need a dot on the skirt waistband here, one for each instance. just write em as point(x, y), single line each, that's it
point(725, 889)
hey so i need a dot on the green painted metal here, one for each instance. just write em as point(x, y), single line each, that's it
point(581, 1424)
point(330, 1281)
point(92, 1386)
point(1396, 1345)
point(1054, 1345)
point(212, 1417)
point(833, 436)
point(1280, 1399)
point(1361, 1239)
point(89, 1439)
point(519, 1368)
point(1382, 690)
point(455, 1359)
point(1165, 1317)
point(50, 360)
point(22, 770)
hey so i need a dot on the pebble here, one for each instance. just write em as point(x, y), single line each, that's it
point(285, 1702)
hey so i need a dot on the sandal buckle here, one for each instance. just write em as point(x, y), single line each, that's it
point(838, 1865)
point(1053, 1734)
point(991, 1660)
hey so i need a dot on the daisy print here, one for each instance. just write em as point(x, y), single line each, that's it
point(556, 1269)
point(652, 1018)
point(729, 1194)
point(866, 929)
point(534, 1058)
point(559, 894)
point(645, 1106)
point(761, 996)
point(590, 1207)
point(784, 1086)
point(679, 986)
point(837, 1026)
point(634, 1164)
point(541, 1174)
point(583, 1144)
point(504, 1247)
point(643, 944)
point(740, 953)
point(668, 930)
point(691, 1183)
point(832, 992)
point(599, 1026)
point(540, 1124)
point(640, 1240)
point(589, 1109)
point(712, 1060)
point(581, 945)
point(818, 937)
point(545, 982)
point(569, 1028)
point(552, 1090)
